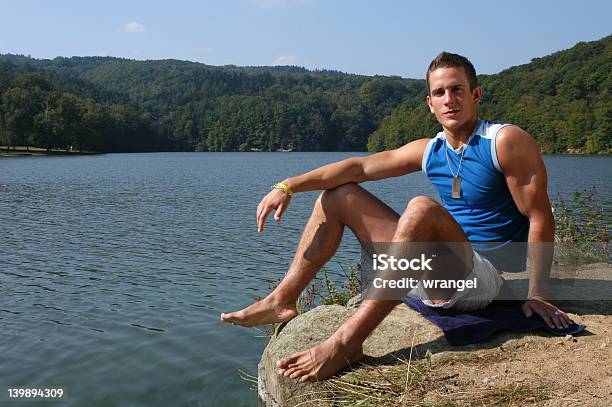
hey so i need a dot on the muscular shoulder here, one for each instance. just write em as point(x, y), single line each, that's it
point(523, 167)
point(515, 147)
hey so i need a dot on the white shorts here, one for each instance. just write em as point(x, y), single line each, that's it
point(488, 284)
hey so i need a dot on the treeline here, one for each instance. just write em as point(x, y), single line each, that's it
point(563, 100)
point(113, 104)
point(240, 109)
point(185, 106)
point(46, 109)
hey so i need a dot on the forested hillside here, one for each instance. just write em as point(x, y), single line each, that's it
point(191, 106)
point(113, 104)
point(231, 108)
point(46, 108)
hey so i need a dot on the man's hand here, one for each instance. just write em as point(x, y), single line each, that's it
point(553, 316)
point(276, 199)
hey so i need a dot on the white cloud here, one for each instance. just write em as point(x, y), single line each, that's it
point(282, 3)
point(286, 60)
point(133, 27)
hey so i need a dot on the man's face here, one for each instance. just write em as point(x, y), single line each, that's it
point(450, 98)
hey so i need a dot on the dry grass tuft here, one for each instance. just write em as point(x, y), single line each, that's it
point(426, 382)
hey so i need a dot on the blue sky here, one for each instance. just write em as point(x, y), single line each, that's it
point(365, 37)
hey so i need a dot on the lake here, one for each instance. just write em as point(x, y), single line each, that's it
point(116, 267)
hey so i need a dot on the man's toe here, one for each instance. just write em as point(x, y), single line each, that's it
point(308, 378)
point(228, 317)
point(286, 362)
point(290, 371)
point(297, 373)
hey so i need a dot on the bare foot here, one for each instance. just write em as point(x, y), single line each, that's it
point(319, 362)
point(262, 312)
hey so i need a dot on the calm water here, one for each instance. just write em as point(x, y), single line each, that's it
point(115, 268)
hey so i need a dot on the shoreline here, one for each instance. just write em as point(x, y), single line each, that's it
point(21, 151)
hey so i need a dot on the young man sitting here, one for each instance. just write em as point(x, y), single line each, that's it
point(492, 182)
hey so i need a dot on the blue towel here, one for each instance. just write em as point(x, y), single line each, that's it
point(463, 328)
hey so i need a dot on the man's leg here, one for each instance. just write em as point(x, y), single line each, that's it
point(351, 205)
point(424, 220)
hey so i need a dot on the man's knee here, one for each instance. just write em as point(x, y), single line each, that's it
point(339, 196)
point(422, 201)
point(422, 207)
point(420, 212)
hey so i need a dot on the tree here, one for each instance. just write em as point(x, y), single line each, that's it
point(20, 106)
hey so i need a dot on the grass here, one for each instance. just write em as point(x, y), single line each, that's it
point(581, 234)
point(424, 382)
point(476, 358)
point(326, 290)
point(427, 382)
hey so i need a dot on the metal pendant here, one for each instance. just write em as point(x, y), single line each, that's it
point(456, 193)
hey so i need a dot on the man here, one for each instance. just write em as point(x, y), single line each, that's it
point(491, 179)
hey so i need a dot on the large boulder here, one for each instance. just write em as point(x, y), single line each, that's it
point(393, 336)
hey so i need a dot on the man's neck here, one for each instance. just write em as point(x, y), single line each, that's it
point(460, 136)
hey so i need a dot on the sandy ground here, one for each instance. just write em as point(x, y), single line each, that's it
point(550, 371)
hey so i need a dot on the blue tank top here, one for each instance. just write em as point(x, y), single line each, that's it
point(485, 211)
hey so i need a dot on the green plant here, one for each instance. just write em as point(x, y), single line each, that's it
point(327, 290)
point(581, 228)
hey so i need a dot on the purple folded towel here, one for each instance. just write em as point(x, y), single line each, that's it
point(463, 328)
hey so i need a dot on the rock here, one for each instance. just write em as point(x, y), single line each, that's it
point(391, 339)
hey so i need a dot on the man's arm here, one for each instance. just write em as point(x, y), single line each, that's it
point(521, 162)
point(386, 164)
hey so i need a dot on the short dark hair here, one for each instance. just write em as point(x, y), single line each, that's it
point(449, 60)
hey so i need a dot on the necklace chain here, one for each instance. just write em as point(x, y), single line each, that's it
point(448, 160)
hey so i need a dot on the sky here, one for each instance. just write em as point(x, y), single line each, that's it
point(364, 37)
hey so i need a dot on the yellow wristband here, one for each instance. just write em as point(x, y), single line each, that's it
point(283, 187)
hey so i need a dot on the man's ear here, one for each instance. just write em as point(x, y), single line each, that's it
point(429, 104)
point(477, 94)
